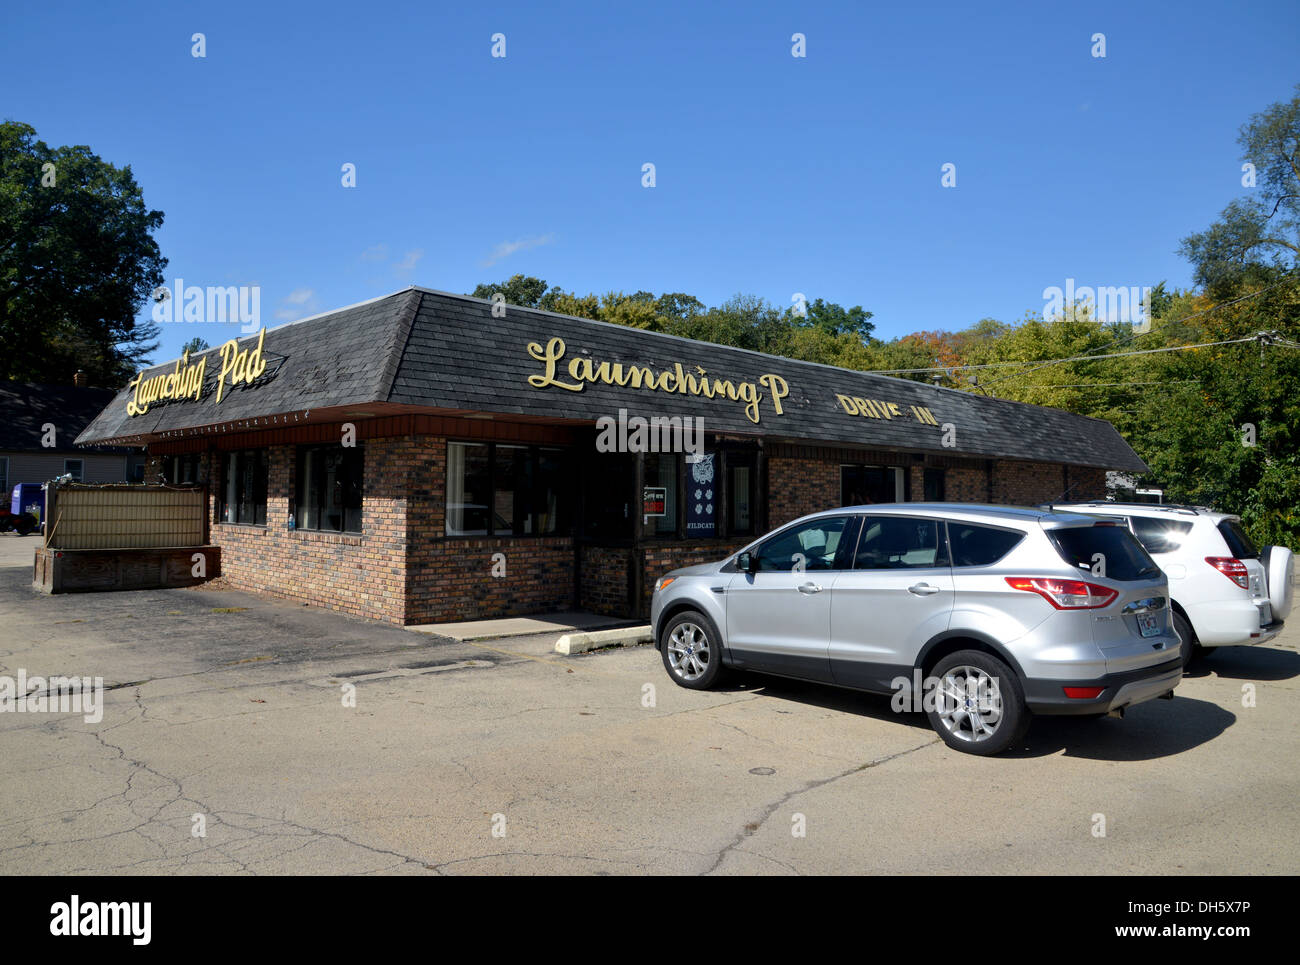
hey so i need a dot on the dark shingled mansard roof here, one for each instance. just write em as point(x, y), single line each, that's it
point(433, 349)
point(26, 408)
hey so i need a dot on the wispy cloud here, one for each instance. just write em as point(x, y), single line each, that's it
point(299, 302)
point(409, 261)
point(377, 252)
point(508, 248)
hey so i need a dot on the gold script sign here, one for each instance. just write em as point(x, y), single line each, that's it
point(186, 380)
point(584, 370)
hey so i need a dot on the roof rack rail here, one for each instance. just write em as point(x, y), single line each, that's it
point(1171, 507)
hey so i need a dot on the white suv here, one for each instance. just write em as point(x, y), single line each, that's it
point(1225, 592)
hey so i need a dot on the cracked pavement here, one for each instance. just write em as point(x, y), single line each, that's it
point(236, 719)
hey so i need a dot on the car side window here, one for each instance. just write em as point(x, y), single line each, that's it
point(980, 545)
point(821, 544)
point(900, 542)
point(1160, 535)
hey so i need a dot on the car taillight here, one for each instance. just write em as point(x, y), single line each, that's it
point(1065, 594)
point(1231, 567)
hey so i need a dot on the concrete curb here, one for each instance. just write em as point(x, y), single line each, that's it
point(572, 643)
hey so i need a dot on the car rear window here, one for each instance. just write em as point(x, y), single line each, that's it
point(1114, 547)
point(980, 545)
point(1238, 542)
point(1160, 535)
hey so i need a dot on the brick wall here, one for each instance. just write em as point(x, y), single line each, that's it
point(965, 485)
point(363, 574)
point(604, 586)
point(402, 568)
point(798, 486)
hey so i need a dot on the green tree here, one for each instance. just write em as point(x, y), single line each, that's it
point(194, 346)
point(522, 290)
point(78, 260)
point(1263, 229)
point(838, 320)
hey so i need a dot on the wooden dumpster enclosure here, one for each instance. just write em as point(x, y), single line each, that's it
point(124, 538)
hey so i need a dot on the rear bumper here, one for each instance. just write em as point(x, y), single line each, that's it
point(1118, 690)
point(1248, 639)
point(1231, 623)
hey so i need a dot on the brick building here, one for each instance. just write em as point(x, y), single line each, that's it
point(421, 458)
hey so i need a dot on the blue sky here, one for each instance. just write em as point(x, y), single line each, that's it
point(774, 174)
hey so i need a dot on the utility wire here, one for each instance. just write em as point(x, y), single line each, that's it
point(1087, 355)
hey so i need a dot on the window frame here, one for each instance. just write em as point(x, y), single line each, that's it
point(901, 493)
point(80, 475)
point(848, 538)
point(952, 557)
point(301, 488)
point(221, 505)
point(943, 552)
point(564, 506)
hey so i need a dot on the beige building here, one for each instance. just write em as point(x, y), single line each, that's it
point(38, 426)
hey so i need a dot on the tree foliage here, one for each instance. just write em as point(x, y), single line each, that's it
point(78, 260)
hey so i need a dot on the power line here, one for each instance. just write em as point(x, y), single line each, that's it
point(1043, 363)
point(1091, 385)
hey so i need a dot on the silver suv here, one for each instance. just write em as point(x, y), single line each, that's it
point(980, 616)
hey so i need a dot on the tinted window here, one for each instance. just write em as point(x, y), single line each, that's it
point(1238, 542)
point(329, 488)
point(1160, 535)
point(897, 542)
point(980, 545)
point(1110, 546)
point(817, 545)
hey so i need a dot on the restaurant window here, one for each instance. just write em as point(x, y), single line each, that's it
point(867, 485)
point(182, 470)
point(660, 473)
point(75, 468)
point(742, 492)
point(4, 478)
point(496, 489)
point(934, 488)
point(329, 488)
point(241, 496)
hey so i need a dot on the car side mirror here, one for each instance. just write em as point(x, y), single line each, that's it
point(745, 563)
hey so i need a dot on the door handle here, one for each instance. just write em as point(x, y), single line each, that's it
point(810, 588)
point(922, 589)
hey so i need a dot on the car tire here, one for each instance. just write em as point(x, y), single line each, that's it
point(692, 650)
point(26, 524)
point(974, 675)
point(1190, 649)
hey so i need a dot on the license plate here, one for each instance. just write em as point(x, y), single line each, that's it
point(1265, 614)
point(1149, 625)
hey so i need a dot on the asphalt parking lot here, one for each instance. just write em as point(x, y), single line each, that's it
point(226, 714)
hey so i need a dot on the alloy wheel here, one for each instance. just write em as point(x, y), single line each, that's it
point(969, 704)
point(688, 651)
